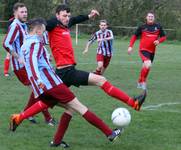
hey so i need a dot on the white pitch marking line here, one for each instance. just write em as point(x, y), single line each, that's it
point(152, 107)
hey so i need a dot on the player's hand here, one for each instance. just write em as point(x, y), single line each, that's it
point(156, 42)
point(41, 85)
point(85, 51)
point(130, 50)
point(100, 40)
point(93, 14)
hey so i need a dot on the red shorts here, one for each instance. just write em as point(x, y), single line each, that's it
point(58, 94)
point(104, 59)
point(22, 76)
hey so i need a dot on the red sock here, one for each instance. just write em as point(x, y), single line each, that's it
point(34, 109)
point(143, 74)
point(97, 122)
point(117, 93)
point(62, 127)
point(32, 101)
point(46, 115)
point(6, 65)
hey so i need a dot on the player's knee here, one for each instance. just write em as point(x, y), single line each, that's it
point(99, 67)
point(147, 64)
point(69, 111)
point(102, 80)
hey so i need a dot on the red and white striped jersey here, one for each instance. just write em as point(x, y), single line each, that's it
point(14, 39)
point(38, 66)
point(104, 47)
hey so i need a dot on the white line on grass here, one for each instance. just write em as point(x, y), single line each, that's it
point(157, 106)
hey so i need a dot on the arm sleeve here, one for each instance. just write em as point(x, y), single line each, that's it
point(35, 50)
point(78, 19)
point(134, 37)
point(162, 35)
point(111, 35)
point(10, 38)
point(93, 38)
point(51, 24)
point(132, 40)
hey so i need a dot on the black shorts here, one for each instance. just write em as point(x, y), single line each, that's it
point(71, 76)
point(147, 55)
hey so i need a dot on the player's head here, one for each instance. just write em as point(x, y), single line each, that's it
point(103, 25)
point(20, 12)
point(63, 14)
point(150, 17)
point(36, 26)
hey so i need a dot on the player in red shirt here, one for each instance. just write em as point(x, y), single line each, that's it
point(151, 34)
point(63, 53)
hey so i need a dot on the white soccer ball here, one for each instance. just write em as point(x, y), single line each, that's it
point(121, 117)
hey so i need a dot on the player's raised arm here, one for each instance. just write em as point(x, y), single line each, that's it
point(82, 18)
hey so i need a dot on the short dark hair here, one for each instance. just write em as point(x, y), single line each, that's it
point(18, 5)
point(62, 7)
point(35, 22)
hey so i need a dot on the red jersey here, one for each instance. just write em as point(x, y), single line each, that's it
point(61, 45)
point(148, 34)
point(60, 40)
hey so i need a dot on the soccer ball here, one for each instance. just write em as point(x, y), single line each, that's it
point(121, 117)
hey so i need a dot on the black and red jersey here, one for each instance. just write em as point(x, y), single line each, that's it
point(60, 40)
point(148, 33)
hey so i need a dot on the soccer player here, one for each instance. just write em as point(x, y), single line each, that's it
point(48, 86)
point(63, 52)
point(151, 35)
point(7, 59)
point(104, 38)
point(61, 46)
point(12, 43)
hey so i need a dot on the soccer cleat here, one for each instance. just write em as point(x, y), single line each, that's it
point(32, 120)
point(62, 144)
point(51, 122)
point(115, 134)
point(14, 122)
point(139, 100)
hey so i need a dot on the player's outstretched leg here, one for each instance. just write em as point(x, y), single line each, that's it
point(115, 92)
point(16, 119)
point(93, 119)
point(139, 100)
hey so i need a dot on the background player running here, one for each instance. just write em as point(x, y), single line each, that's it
point(104, 38)
point(151, 34)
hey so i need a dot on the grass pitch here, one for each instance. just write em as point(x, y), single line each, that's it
point(156, 127)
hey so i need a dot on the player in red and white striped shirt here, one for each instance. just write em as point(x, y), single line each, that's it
point(13, 41)
point(104, 38)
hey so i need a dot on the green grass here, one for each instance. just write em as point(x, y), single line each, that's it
point(157, 129)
